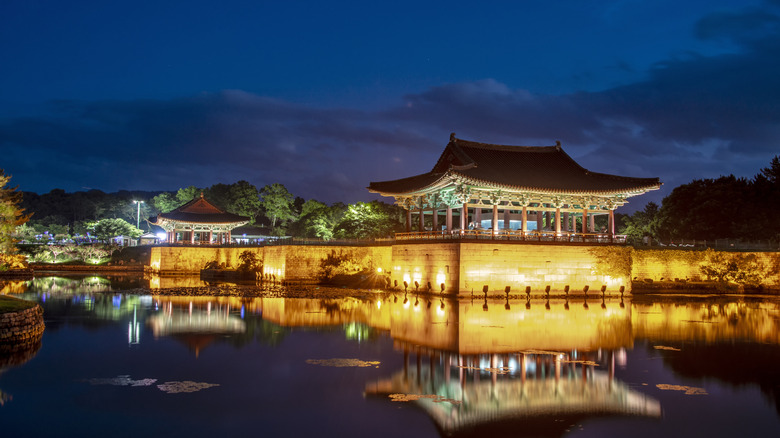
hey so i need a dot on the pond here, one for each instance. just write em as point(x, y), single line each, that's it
point(124, 364)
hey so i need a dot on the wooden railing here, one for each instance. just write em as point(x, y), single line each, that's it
point(514, 235)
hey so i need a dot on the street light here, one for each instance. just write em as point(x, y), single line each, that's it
point(138, 215)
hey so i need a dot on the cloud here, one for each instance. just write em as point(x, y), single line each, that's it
point(694, 116)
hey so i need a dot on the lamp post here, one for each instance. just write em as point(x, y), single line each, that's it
point(138, 214)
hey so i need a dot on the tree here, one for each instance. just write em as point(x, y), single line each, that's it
point(641, 224)
point(367, 220)
point(187, 194)
point(106, 229)
point(11, 215)
point(165, 202)
point(317, 220)
point(277, 203)
point(772, 173)
point(243, 199)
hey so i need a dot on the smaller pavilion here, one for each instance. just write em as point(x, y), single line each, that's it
point(198, 222)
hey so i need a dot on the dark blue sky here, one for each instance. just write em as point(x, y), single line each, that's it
point(325, 97)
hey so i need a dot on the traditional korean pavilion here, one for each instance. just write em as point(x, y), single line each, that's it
point(198, 221)
point(524, 188)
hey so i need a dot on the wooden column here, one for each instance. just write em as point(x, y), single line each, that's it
point(435, 226)
point(592, 223)
point(557, 219)
point(228, 237)
point(495, 219)
point(539, 220)
point(611, 228)
point(584, 220)
point(449, 218)
point(566, 222)
point(422, 220)
point(507, 219)
point(477, 217)
point(464, 216)
point(211, 236)
point(548, 219)
point(524, 219)
point(408, 220)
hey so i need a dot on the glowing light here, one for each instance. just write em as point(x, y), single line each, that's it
point(440, 278)
point(379, 270)
point(407, 278)
point(379, 304)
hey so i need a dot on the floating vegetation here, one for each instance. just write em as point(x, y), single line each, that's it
point(501, 370)
point(582, 362)
point(168, 387)
point(185, 386)
point(663, 347)
point(689, 390)
point(414, 397)
point(121, 381)
point(343, 363)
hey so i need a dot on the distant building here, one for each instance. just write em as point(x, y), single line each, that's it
point(523, 188)
point(198, 222)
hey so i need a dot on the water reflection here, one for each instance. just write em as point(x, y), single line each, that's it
point(521, 394)
point(473, 366)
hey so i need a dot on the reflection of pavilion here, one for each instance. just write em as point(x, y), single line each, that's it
point(489, 364)
point(524, 394)
point(197, 321)
point(509, 366)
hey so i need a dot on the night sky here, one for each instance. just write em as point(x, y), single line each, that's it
point(325, 97)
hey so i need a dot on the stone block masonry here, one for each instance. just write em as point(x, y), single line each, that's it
point(22, 326)
point(462, 267)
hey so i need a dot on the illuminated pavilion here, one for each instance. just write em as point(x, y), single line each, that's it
point(534, 188)
point(198, 221)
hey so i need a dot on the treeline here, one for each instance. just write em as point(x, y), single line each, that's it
point(58, 215)
point(708, 209)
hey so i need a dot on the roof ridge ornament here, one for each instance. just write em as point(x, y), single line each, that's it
point(452, 137)
point(557, 144)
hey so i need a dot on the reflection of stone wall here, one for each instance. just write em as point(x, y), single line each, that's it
point(22, 326)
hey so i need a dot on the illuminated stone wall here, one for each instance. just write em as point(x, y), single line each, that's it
point(462, 267)
point(167, 260)
point(498, 265)
point(286, 262)
point(436, 263)
point(671, 264)
point(666, 264)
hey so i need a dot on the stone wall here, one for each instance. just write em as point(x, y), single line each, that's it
point(462, 266)
point(290, 263)
point(538, 266)
point(436, 263)
point(676, 264)
point(188, 260)
point(22, 326)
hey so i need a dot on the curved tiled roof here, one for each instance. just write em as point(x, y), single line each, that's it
point(532, 168)
point(199, 210)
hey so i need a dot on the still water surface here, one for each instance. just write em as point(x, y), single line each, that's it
point(129, 365)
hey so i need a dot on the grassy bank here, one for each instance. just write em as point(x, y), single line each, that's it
point(10, 304)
